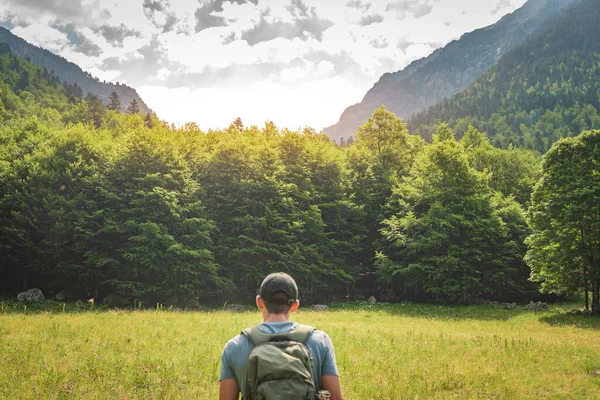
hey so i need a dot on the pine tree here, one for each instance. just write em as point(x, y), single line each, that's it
point(114, 102)
point(148, 120)
point(238, 122)
point(97, 109)
point(134, 107)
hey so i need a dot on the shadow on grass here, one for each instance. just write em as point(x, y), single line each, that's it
point(48, 306)
point(557, 316)
point(440, 312)
point(565, 318)
point(9, 306)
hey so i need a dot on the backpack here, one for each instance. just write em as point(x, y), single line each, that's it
point(280, 367)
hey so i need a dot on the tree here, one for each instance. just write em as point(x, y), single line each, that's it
point(382, 154)
point(385, 136)
point(446, 238)
point(238, 122)
point(114, 102)
point(134, 107)
point(96, 108)
point(513, 171)
point(564, 248)
point(149, 120)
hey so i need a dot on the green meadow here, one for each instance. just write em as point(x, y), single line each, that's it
point(401, 351)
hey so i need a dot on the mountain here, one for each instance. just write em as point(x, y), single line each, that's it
point(546, 89)
point(69, 72)
point(447, 70)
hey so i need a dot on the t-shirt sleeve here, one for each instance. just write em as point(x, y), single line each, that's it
point(328, 365)
point(226, 369)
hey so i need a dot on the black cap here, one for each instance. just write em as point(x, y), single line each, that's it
point(279, 282)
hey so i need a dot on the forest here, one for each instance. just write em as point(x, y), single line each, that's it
point(97, 203)
point(539, 92)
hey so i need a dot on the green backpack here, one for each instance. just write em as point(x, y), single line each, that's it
point(280, 366)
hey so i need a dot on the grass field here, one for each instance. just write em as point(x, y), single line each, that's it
point(399, 351)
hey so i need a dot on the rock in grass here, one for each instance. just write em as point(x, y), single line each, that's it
point(372, 300)
point(185, 302)
point(235, 308)
point(31, 296)
point(60, 296)
point(114, 300)
point(536, 306)
point(320, 307)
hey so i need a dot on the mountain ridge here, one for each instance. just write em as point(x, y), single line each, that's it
point(447, 70)
point(537, 93)
point(70, 72)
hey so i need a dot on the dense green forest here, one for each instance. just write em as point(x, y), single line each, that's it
point(540, 92)
point(97, 203)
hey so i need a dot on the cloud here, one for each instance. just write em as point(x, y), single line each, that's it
point(138, 66)
point(160, 15)
point(501, 4)
point(205, 18)
point(343, 63)
point(305, 24)
point(64, 8)
point(299, 10)
point(379, 43)
point(115, 35)
point(77, 41)
point(370, 19)
point(418, 8)
point(71, 10)
point(234, 75)
point(403, 43)
point(207, 14)
point(155, 5)
point(358, 4)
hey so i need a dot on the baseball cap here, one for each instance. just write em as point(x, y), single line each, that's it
point(279, 282)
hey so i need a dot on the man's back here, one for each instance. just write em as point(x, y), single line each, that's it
point(236, 352)
point(278, 298)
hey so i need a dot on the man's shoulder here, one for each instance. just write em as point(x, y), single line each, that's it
point(319, 338)
point(236, 342)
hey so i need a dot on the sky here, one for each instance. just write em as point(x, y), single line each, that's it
point(294, 62)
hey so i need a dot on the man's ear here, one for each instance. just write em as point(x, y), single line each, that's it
point(295, 306)
point(260, 303)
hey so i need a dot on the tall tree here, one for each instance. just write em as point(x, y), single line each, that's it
point(149, 120)
point(446, 239)
point(134, 107)
point(382, 154)
point(238, 122)
point(385, 136)
point(564, 249)
point(513, 171)
point(97, 109)
point(114, 102)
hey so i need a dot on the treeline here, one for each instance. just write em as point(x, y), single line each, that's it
point(126, 205)
point(536, 94)
point(117, 205)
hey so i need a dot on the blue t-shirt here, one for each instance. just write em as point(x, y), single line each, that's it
point(237, 350)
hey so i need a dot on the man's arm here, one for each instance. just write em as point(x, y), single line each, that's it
point(228, 390)
point(331, 383)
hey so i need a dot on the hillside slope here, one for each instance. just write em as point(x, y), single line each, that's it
point(447, 70)
point(546, 89)
point(69, 72)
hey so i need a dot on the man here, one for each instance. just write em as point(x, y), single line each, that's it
point(278, 298)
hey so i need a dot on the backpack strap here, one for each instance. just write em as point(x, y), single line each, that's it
point(299, 334)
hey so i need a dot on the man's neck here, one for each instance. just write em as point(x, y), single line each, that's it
point(276, 318)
